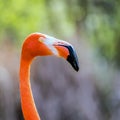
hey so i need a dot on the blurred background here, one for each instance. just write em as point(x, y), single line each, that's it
point(60, 93)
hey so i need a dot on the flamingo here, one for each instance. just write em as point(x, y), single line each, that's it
point(38, 44)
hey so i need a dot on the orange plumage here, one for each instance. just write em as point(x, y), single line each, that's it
point(38, 44)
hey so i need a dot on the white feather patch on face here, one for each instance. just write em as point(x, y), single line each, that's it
point(49, 41)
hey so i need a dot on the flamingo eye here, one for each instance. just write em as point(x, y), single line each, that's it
point(41, 39)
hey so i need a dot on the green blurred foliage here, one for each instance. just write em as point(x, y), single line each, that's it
point(101, 28)
point(98, 21)
point(20, 18)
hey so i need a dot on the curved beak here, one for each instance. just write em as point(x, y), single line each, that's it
point(68, 52)
point(72, 57)
point(63, 49)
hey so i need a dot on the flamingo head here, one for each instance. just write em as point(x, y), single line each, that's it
point(38, 44)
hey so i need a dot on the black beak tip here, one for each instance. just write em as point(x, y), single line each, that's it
point(74, 62)
point(72, 58)
point(77, 68)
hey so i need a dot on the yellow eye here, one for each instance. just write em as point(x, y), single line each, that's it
point(41, 39)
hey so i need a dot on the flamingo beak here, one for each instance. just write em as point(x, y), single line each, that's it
point(68, 52)
point(72, 57)
point(63, 49)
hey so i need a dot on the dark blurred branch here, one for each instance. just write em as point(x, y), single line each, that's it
point(106, 6)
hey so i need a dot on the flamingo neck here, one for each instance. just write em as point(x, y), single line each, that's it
point(27, 101)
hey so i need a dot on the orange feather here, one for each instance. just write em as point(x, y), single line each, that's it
point(33, 46)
